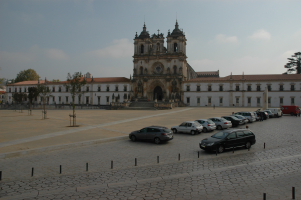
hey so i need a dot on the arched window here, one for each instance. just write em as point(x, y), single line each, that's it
point(142, 48)
point(175, 69)
point(175, 47)
point(158, 46)
point(141, 70)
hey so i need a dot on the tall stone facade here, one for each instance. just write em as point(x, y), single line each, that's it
point(158, 71)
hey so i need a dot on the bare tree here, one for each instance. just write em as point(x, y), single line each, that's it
point(73, 85)
point(45, 93)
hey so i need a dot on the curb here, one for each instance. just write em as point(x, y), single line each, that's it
point(60, 147)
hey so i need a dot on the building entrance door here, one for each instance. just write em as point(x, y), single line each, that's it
point(158, 94)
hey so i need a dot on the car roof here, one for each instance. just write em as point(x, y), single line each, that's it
point(236, 129)
point(153, 126)
point(203, 119)
point(215, 117)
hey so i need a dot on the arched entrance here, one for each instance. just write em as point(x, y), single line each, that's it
point(158, 94)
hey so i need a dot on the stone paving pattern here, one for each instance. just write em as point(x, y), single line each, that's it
point(240, 175)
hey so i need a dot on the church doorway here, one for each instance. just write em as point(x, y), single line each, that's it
point(158, 94)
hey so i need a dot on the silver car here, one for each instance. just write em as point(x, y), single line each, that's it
point(208, 125)
point(249, 115)
point(221, 123)
point(245, 120)
point(153, 133)
point(191, 127)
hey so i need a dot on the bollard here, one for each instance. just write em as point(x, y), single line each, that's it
point(157, 159)
point(293, 193)
point(247, 127)
point(87, 167)
point(135, 161)
point(264, 145)
point(233, 149)
point(264, 196)
point(32, 170)
point(198, 154)
point(216, 151)
point(112, 164)
point(60, 169)
point(0, 175)
point(179, 157)
point(249, 148)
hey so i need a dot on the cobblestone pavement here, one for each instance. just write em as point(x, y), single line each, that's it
point(240, 175)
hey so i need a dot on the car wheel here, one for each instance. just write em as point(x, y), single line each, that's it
point(192, 132)
point(220, 149)
point(174, 130)
point(133, 138)
point(157, 140)
point(204, 130)
point(248, 145)
point(219, 127)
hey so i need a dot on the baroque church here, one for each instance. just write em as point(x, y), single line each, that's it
point(162, 74)
point(159, 70)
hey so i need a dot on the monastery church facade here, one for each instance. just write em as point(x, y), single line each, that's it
point(161, 73)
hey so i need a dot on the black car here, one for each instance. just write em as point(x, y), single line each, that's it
point(228, 139)
point(264, 114)
point(235, 121)
point(153, 133)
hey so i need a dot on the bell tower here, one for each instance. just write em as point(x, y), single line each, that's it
point(176, 41)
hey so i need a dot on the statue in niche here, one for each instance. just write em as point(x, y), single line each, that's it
point(168, 70)
point(139, 86)
point(177, 96)
point(180, 70)
point(174, 86)
point(134, 71)
point(145, 71)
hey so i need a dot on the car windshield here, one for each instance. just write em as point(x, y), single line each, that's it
point(210, 122)
point(197, 124)
point(239, 117)
point(220, 135)
point(167, 130)
point(235, 118)
point(223, 119)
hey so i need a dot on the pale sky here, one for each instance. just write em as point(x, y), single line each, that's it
point(55, 37)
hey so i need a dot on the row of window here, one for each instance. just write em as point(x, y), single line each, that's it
point(237, 88)
point(175, 47)
point(66, 89)
point(258, 99)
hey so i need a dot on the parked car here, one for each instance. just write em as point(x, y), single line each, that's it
point(256, 116)
point(208, 125)
point(235, 121)
point(292, 110)
point(276, 111)
point(228, 139)
point(221, 123)
point(245, 120)
point(248, 115)
point(154, 133)
point(265, 114)
point(271, 115)
point(191, 127)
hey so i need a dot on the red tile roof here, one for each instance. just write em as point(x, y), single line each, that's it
point(89, 80)
point(254, 77)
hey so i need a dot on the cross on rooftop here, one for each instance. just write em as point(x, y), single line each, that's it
point(158, 31)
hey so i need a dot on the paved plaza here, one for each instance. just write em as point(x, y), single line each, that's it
point(177, 169)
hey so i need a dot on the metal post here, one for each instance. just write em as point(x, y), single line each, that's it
point(87, 167)
point(135, 161)
point(179, 157)
point(111, 164)
point(264, 145)
point(0, 175)
point(216, 151)
point(264, 196)
point(233, 149)
point(32, 170)
point(157, 159)
point(293, 193)
point(60, 169)
point(198, 154)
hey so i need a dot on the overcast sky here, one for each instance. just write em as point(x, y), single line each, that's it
point(55, 37)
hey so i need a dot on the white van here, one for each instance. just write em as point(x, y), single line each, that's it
point(276, 111)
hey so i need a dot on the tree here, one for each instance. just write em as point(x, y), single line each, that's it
point(32, 94)
point(27, 75)
point(20, 97)
point(73, 85)
point(45, 93)
point(294, 64)
point(56, 80)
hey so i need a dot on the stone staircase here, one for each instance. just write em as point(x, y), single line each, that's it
point(141, 105)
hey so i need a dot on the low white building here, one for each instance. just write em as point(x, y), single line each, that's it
point(243, 90)
point(97, 91)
